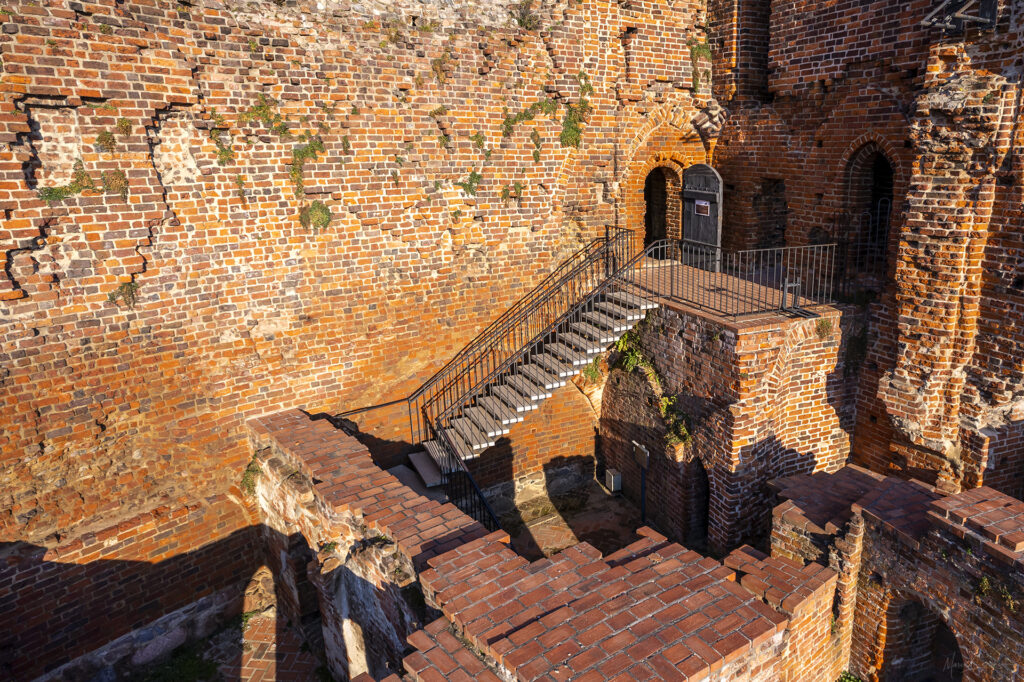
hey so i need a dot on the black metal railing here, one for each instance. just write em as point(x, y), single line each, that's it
point(728, 283)
point(518, 326)
point(734, 284)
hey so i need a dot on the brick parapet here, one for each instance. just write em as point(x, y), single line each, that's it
point(803, 593)
point(986, 518)
point(345, 480)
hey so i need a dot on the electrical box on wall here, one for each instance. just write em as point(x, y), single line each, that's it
point(612, 480)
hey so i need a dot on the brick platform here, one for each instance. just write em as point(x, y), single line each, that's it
point(653, 610)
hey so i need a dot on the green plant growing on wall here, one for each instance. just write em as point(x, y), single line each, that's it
point(265, 111)
point(80, 182)
point(631, 356)
point(329, 547)
point(438, 112)
point(848, 677)
point(479, 141)
point(444, 140)
point(823, 328)
point(524, 17)
point(312, 145)
point(576, 114)
point(535, 138)
point(115, 182)
point(1007, 597)
point(698, 50)
point(471, 183)
point(106, 141)
point(545, 105)
point(249, 476)
point(982, 587)
point(592, 371)
point(512, 191)
point(316, 216)
point(240, 184)
point(126, 292)
point(439, 66)
point(124, 127)
point(225, 154)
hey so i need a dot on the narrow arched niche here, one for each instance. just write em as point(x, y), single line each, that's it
point(919, 646)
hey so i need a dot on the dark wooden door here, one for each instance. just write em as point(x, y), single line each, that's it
point(702, 205)
point(702, 215)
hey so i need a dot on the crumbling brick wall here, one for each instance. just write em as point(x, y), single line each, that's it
point(60, 603)
point(208, 214)
point(855, 76)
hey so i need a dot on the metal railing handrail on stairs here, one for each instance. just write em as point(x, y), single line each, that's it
point(761, 280)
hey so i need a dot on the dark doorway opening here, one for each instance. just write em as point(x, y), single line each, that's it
point(656, 200)
point(699, 504)
point(920, 647)
point(870, 200)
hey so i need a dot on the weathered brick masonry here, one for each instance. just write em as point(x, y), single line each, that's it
point(763, 398)
point(826, 89)
point(227, 123)
point(62, 602)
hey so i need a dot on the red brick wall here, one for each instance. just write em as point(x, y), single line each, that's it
point(854, 74)
point(241, 310)
point(63, 602)
point(765, 399)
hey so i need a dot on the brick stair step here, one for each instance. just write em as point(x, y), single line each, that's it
point(500, 411)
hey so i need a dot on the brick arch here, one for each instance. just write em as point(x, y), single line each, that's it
point(908, 637)
point(663, 148)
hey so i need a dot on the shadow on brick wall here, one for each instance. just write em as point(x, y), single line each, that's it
point(152, 620)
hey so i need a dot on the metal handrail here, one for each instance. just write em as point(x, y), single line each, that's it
point(442, 380)
point(730, 283)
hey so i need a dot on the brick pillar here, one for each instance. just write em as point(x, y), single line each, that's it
point(958, 131)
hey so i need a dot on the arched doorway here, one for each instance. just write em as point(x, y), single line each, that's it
point(870, 179)
point(919, 646)
point(662, 206)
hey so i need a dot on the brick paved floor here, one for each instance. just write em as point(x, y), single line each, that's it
point(606, 521)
